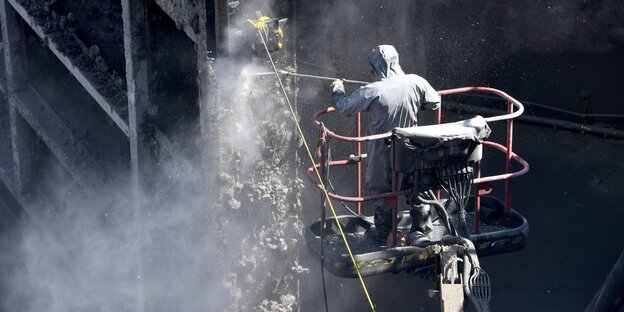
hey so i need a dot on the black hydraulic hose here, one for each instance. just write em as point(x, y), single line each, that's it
point(610, 296)
point(466, 275)
point(439, 208)
point(472, 269)
point(465, 185)
point(607, 132)
point(331, 186)
point(459, 189)
point(552, 108)
point(467, 244)
point(322, 251)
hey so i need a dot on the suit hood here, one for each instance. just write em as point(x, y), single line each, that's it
point(384, 61)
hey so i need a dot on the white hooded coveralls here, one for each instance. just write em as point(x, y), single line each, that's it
point(392, 101)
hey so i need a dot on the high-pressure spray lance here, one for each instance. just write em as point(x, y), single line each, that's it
point(352, 157)
point(271, 33)
point(289, 73)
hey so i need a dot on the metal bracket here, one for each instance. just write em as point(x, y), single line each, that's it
point(450, 280)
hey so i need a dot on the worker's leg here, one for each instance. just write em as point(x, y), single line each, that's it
point(383, 217)
point(421, 224)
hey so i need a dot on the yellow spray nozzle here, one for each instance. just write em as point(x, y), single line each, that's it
point(262, 25)
point(260, 22)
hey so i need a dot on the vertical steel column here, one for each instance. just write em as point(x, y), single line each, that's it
point(22, 138)
point(136, 49)
point(508, 160)
point(221, 23)
point(136, 46)
point(210, 45)
point(14, 48)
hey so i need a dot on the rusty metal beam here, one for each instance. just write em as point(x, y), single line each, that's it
point(209, 45)
point(13, 47)
point(59, 138)
point(27, 109)
point(136, 48)
point(80, 75)
point(22, 140)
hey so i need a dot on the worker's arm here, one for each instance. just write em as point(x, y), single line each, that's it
point(431, 98)
point(357, 102)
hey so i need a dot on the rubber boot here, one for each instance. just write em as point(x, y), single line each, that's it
point(383, 218)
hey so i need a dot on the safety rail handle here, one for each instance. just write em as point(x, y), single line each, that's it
point(515, 157)
point(353, 199)
point(342, 137)
point(501, 94)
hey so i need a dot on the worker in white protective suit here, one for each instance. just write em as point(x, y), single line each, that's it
point(392, 101)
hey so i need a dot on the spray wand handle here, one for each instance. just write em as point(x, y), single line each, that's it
point(323, 77)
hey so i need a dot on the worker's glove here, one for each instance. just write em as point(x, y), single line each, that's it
point(337, 85)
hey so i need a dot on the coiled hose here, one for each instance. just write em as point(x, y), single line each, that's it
point(610, 296)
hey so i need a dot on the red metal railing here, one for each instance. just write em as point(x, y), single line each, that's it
point(482, 182)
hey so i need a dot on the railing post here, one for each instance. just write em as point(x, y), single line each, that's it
point(394, 205)
point(477, 216)
point(323, 173)
point(508, 160)
point(358, 133)
point(439, 121)
point(439, 114)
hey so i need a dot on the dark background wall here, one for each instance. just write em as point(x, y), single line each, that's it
point(554, 53)
point(542, 51)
